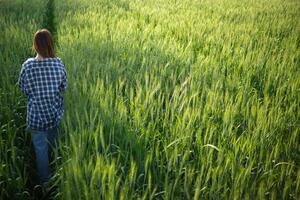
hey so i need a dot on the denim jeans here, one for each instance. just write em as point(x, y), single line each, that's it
point(43, 142)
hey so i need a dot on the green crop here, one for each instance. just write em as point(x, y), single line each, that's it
point(18, 21)
point(165, 99)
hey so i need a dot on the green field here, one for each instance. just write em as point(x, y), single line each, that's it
point(166, 99)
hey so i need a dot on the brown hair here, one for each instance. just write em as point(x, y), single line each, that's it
point(43, 43)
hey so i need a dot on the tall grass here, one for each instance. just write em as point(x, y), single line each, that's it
point(179, 99)
point(18, 21)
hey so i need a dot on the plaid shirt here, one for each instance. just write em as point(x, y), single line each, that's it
point(43, 82)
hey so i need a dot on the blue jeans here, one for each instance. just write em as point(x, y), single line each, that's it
point(43, 142)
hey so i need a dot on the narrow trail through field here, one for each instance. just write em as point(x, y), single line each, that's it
point(32, 182)
point(48, 21)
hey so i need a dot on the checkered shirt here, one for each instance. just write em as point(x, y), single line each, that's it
point(43, 82)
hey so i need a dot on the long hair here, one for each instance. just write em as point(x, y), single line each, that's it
point(43, 43)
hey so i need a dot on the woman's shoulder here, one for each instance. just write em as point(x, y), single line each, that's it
point(54, 59)
point(60, 61)
point(37, 62)
point(28, 61)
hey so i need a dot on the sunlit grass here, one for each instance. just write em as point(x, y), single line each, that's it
point(175, 99)
point(180, 100)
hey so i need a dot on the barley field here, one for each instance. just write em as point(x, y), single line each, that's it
point(166, 99)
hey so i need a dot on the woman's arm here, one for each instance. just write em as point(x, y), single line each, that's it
point(64, 82)
point(22, 81)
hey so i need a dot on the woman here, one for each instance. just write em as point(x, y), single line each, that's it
point(42, 80)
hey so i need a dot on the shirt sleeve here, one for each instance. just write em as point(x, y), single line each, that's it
point(23, 82)
point(64, 82)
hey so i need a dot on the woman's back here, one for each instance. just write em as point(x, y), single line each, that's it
point(43, 80)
